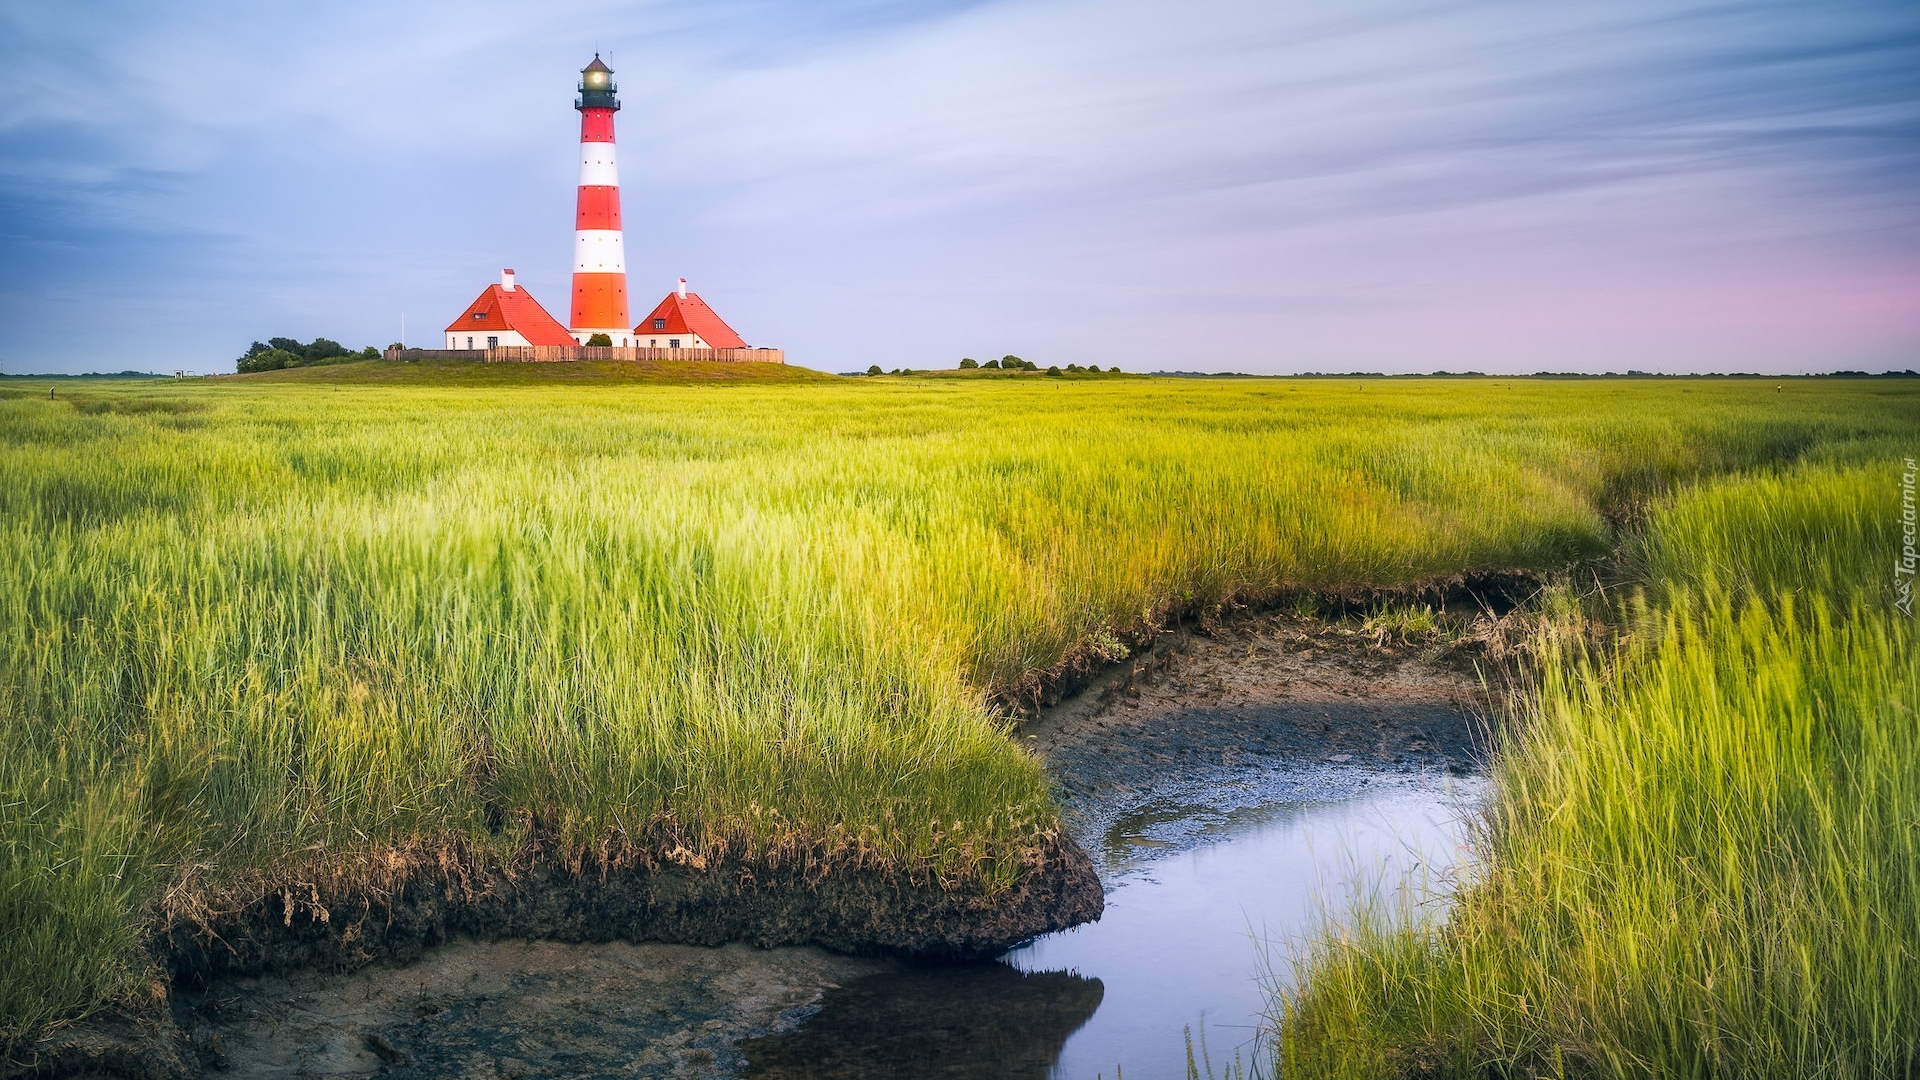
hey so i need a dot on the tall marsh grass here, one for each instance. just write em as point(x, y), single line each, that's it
point(246, 629)
point(1703, 857)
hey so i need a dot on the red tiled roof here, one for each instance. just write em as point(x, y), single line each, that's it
point(497, 310)
point(690, 315)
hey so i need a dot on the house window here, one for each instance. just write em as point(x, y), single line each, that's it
point(469, 341)
point(659, 324)
point(479, 315)
point(653, 343)
point(492, 342)
point(673, 343)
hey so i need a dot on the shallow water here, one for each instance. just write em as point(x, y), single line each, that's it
point(1201, 904)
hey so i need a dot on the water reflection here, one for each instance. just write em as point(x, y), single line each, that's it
point(985, 1021)
point(1194, 896)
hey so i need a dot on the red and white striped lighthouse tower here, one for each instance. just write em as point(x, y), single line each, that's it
point(599, 256)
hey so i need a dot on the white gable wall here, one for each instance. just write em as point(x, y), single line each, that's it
point(459, 339)
point(649, 338)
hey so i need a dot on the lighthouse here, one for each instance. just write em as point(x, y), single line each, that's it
point(599, 256)
point(505, 323)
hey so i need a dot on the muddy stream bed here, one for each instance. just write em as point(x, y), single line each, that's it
point(1230, 787)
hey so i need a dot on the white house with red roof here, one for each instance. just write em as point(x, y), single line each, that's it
point(506, 314)
point(684, 321)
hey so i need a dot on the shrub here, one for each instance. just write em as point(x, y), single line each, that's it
point(600, 340)
point(1076, 368)
point(874, 369)
point(967, 363)
point(1054, 371)
point(995, 364)
point(267, 360)
point(285, 352)
point(1115, 369)
point(1012, 361)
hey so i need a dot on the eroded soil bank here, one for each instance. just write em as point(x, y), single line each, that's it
point(1259, 708)
point(420, 908)
point(839, 905)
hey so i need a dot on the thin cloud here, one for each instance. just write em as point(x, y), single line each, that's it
point(1388, 184)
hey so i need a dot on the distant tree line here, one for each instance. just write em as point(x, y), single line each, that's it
point(285, 352)
point(1005, 363)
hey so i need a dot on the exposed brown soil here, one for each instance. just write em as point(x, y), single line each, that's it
point(1479, 604)
point(124, 1047)
point(1318, 705)
point(516, 1010)
point(1283, 667)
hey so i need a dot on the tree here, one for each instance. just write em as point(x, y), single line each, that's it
point(967, 363)
point(874, 369)
point(1012, 361)
point(600, 340)
point(268, 360)
point(994, 364)
point(1054, 371)
point(323, 349)
point(285, 352)
point(1115, 369)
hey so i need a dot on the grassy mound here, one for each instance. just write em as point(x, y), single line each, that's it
point(473, 373)
point(251, 628)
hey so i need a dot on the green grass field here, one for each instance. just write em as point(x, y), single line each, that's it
point(254, 625)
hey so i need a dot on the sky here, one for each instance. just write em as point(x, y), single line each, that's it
point(1263, 186)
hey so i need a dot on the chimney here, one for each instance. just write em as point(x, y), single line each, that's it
point(506, 280)
point(683, 288)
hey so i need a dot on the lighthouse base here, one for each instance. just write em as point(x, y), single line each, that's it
point(621, 336)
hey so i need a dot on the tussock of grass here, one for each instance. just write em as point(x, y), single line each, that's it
point(1701, 860)
point(1819, 531)
point(286, 625)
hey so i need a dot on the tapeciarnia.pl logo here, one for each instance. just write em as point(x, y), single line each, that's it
point(1903, 567)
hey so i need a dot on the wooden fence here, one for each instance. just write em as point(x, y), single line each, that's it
point(549, 354)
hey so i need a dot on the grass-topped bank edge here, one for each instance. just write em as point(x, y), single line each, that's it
point(1700, 859)
point(257, 633)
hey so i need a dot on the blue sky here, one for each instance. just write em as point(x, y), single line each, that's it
point(1381, 185)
